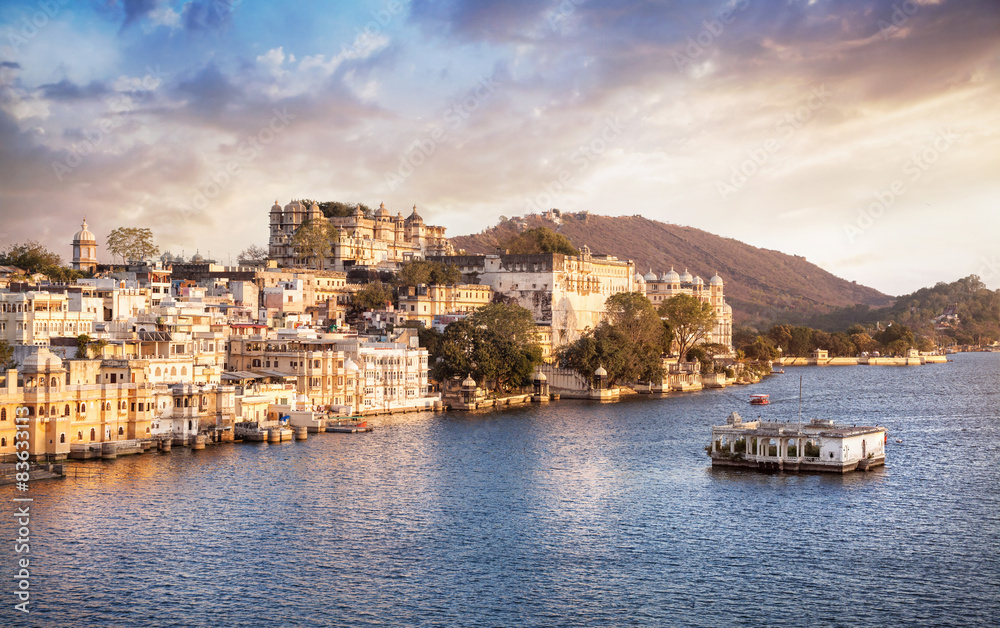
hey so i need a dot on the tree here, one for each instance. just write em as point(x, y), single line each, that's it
point(761, 349)
point(497, 345)
point(253, 254)
point(374, 296)
point(690, 319)
point(132, 243)
point(541, 240)
point(418, 272)
point(31, 257)
point(82, 342)
point(7, 360)
point(628, 344)
point(312, 242)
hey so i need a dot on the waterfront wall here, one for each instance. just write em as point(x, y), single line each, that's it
point(871, 361)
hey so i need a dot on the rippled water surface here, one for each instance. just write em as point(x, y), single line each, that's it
point(572, 514)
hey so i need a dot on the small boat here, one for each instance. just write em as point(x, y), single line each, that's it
point(759, 400)
point(348, 425)
point(778, 372)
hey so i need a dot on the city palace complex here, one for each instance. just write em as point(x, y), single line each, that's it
point(174, 348)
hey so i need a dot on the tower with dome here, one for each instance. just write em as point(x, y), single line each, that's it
point(84, 250)
point(660, 288)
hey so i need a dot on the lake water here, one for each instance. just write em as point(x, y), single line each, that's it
point(571, 514)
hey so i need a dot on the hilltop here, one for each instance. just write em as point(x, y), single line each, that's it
point(762, 285)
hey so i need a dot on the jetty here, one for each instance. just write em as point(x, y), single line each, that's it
point(819, 445)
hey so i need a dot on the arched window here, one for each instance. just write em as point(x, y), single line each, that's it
point(79, 436)
point(3, 442)
point(3, 414)
point(121, 430)
point(184, 370)
point(147, 430)
point(83, 408)
point(41, 410)
point(53, 383)
point(66, 410)
point(157, 373)
point(93, 434)
point(187, 402)
point(52, 411)
point(62, 437)
point(173, 370)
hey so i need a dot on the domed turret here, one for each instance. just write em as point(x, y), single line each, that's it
point(698, 281)
point(42, 360)
point(350, 366)
point(382, 212)
point(84, 235)
point(600, 372)
point(358, 212)
point(197, 259)
point(639, 278)
point(276, 208)
point(650, 276)
point(672, 276)
point(415, 217)
point(468, 382)
point(686, 277)
point(716, 280)
point(84, 249)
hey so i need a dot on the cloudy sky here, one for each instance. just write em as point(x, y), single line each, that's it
point(860, 134)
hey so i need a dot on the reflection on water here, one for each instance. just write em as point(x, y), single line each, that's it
point(571, 514)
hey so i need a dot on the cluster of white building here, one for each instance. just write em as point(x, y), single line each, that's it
point(168, 347)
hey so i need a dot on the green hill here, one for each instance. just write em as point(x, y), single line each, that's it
point(762, 285)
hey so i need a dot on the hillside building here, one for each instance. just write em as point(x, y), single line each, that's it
point(383, 240)
point(563, 292)
point(661, 288)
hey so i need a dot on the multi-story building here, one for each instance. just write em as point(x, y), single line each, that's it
point(564, 292)
point(380, 241)
point(422, 303)
point(660, 288)
point(346, 372)
point(69, 403)
point(32, 318)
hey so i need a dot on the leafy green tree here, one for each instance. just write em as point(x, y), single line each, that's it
point(690, 319)
point(761, 349)
point(497, 345)
point(32, 258)
point(419, 272)
point(628, 344)
point(7, 360)
point(373, 296)
point(132, 243)
point(864, 342)
point(82, 344)
point(781, 336)
point(312, 242)
point(541, 240)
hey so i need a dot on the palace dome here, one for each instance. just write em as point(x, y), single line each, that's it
point(650, 276)
point(84, 235)
point(698, 281)
point(716, 280)
point(686, 277)
point(41, 360)
point(468, 382)
point(415, 217)
point(350, 366)
point(382, 212)
point(600, 372)
point(672, 276)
